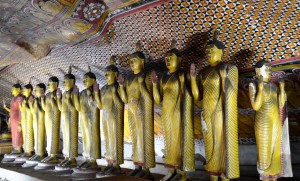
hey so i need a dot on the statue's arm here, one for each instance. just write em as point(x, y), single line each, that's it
point(43, 102)
point(59, 102)
point(156, 92)
point(282, 94)
point(76, 101)
point(123, 92)
point(97, 96)
point(256, 96)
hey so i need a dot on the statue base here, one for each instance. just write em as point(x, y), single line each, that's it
point(45, 165)
point(64, 168)
point(8, 158)
point(85, 173)
point(30, 163)
point(21, 159)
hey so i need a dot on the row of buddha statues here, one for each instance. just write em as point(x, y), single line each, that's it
point(36, 118)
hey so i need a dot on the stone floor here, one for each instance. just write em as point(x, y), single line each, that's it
point(16, 172)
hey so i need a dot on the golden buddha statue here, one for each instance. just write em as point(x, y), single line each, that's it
point(177, 116)
point(38, 115)
point(134, 92)
point(52, 123)
point(69, 121)
point(271, 125)
point(26, 124)
point(88, 104)
point(112, 121)
point(15, 122)
point(218, 84)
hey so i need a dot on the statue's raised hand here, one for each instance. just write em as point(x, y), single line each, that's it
point(121, 79)
point(31, 99)
point(96, 87)
point(193, 72)
point(281, 84)
point(75, 90)
point(223, 71)
point(154, 77)
point(58, 93)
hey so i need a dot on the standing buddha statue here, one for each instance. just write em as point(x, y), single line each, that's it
point(27, 124)
point(112, 120)
point(177, 116)
point(271, 124)
point(69, 121)
point(218, 84)
point(88, 104)
point(15, 122)
point(52, 124)
point(38, 115)
point(135, 93)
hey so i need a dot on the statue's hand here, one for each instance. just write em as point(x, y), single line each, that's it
point(281, 84)
point(75, 90)
point(31, 99)
point(154, 77)
point(96, 87)
point(223, 71)
point(19, 127)
point(43, 94)
point(193, 72)
point(141, 79)
point(260, 83)
point(121, 79)
point(113, 89)
point(58, 93)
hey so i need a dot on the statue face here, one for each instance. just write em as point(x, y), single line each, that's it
point(136, 63)
point(110, 77)
point(52, 86)
point(265, 71)
point(88, 82)
point(15, 91)
point(26, 92)
point(38, 91)
point(68, 84)
point(213, 54)
point(172, 62)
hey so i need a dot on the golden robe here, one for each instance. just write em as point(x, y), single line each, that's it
point(113, 124)
point(141, 122)
point(269, 133)
point(220, 123)
point(69, 120)
point(38, 127)
point(90, 124)
point(52, 123)
point(27, 127)
point(177, 119)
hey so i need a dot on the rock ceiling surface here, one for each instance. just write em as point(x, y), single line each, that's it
point(45, 37)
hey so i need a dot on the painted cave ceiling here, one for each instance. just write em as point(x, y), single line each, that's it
point(41, 38)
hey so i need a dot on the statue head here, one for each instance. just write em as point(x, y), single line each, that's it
point(111, 72)
point(27, 90)
point(53, 84)
point(137, 60)
point(16, 89)
point(263, 68)
point(69, 80)
point(214, 50)
point(40, 89)
point(89, 78)
point(173, 58)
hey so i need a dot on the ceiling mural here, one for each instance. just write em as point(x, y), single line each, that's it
point(33, 28)
point(251, 31)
